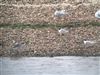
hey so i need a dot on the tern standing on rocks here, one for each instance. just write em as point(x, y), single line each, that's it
point(89, 43)
point(62, 31)
point(59, 13)
point(97, 14)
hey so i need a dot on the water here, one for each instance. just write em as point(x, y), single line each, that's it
point(50, 66)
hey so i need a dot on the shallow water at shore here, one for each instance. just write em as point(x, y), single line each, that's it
point(50, 66)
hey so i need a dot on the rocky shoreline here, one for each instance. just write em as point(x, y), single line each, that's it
point(44, 13)
point(48, 42)
point(29, 28)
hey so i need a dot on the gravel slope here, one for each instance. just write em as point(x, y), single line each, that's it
point(48, 42)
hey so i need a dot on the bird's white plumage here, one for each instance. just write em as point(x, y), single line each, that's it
point(97, 14)
point(89, 42)
point(59, 13)
point(62, 31)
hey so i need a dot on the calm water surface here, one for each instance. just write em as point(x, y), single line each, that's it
point(50, 66)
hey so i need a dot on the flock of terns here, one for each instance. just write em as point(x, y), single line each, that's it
point(61, 13)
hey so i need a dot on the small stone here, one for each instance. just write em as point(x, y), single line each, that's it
point(48, 31)
point(13, 41)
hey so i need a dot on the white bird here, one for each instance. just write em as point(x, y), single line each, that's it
point(97, 14)
point(16, 44)
point(88, 42)
point(62, 31)
point(60, 13)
